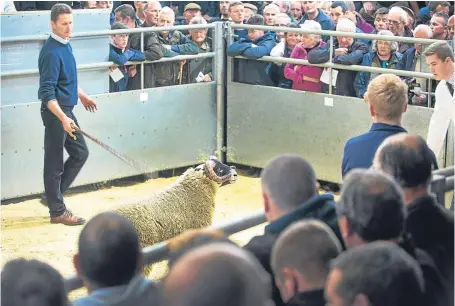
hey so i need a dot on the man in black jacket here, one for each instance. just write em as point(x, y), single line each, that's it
point(347, 51)
point(409, 160)
point(371, 208)
point(289, 190)
point(377, 274)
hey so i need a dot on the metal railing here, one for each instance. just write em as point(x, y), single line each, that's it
point(109, 32)
point(443, 181)
point(109, 64)
point(331, 65)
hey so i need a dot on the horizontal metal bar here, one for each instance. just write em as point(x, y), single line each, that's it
point(160, 250)
point(110, 32)
point(450, 181)
point(344, 67)
point(445, 172)
point(243, 223)
point(335, 33)
point(109, 64)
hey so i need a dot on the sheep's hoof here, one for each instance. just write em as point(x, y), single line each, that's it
point(157, 271)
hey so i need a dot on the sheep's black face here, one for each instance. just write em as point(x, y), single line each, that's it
point(219, 172)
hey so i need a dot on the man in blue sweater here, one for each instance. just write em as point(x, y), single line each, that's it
point(59, 93)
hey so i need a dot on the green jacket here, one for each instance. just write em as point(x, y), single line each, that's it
point(167, 74)
point(203, 65)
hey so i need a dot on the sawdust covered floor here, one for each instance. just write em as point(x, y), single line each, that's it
point(26, 231)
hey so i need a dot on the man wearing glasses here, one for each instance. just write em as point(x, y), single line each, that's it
point(397, 25)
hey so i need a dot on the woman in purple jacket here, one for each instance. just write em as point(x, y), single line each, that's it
point(305, 77)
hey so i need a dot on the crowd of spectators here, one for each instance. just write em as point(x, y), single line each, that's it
point(419, 19)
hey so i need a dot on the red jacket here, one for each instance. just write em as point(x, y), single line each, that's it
point(297, 75)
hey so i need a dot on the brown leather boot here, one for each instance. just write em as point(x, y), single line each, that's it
point(68, 218)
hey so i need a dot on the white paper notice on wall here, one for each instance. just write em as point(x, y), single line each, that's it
point(325, 77)
point(144, 96)
point(328, 102)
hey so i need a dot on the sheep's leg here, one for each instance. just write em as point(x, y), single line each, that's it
point(148, 271)
point(157, 271)
point(160, 270)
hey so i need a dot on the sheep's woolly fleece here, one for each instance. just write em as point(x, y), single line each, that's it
point(188, 203)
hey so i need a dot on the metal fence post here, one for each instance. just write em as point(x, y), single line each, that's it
point(438, 188)
point(230, 60)
point(142, 64)
point(330, 61)
point(220, 82)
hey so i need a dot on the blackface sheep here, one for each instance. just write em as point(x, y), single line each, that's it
point(188, 203)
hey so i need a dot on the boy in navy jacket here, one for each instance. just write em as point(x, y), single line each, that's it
point(256, 45)
point(120, 54)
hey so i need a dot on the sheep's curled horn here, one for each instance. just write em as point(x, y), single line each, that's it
point(209, 170)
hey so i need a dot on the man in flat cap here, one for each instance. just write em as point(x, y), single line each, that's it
point(250, 10)
point(191, 10)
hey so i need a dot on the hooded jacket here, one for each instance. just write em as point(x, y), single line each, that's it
point(251, 71)
point(320, 207)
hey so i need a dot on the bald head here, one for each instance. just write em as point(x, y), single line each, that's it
point(217, 274)
point(289, 180)
point(407, 158)
point(109, 251)
point(307, 247)
point(423, 31)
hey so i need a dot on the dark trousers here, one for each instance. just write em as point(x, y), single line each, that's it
point(58, 175)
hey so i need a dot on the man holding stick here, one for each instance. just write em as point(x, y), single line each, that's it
point(59, 93)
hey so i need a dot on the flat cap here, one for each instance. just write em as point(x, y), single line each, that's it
point(192, 6)
point(251, 7)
